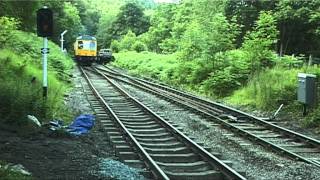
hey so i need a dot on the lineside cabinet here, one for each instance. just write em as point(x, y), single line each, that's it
point(307, 89)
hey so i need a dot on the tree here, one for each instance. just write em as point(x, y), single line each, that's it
point(246, 13)
point(299, 24)
point(24, 11)
point(147, 4)
point(70, 21)
point(161, 27)
point(89, 15)
point(131, 17)
point(65, 17)
point(204, 39)
point(259, 43)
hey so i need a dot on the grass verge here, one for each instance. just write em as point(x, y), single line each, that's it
point(265, 91)
point(21, 91)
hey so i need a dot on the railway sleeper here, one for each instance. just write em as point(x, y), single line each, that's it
point(128, 155)
point(110, 129)
point(294, 145)
point(139, 123)
point(186, 166)
point(104, 117)
point(252, 128)
point(154, 126)
point(175, 144)
point(266, 136)
point(108, 124)
point(121, 106)
point(261, 132)
point(211, 174)
point(179, 150)
point(136, 117)
point(186, 169)
point(155, 135)
point(136, 163)
point(304, 150)
point(123, 148)
point(176, 158)
point(147, 131)
point(118, 133)
point(130, 120)
point(115, 138)
point(130, 112)
point(157, 140)
point(119, 143)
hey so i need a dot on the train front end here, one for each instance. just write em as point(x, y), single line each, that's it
point(85, 49)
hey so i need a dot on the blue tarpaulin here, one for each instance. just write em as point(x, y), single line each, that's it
point(82, 124)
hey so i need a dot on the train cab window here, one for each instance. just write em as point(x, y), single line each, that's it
point(80, 44)
point(92, 45)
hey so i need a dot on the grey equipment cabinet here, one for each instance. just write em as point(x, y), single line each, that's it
point(307, 89)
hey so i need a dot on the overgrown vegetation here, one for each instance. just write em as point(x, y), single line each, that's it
point(223, 49)
point(21, 77)
point(228, 49)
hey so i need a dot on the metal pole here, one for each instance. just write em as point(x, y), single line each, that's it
point(44, 66)
point(61, 38)
point(61, 42)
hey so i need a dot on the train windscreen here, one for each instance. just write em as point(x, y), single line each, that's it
point(87, 45)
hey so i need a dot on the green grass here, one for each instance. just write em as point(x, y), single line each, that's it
point(21, 61)
point(19, 97)
point(28, 46)
point(273, 87)
point(268, 89)
point(157, 66)
point(265, 91)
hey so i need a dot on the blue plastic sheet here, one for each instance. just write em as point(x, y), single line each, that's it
point(82, 124)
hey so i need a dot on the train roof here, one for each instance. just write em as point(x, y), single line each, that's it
point(86, 37)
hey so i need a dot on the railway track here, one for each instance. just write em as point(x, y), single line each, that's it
point(281, 140)
point(143, 139)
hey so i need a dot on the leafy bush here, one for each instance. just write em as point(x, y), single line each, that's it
point(148, 64)
point(259, 43)
point(127, 41)
point(138, 46)
point(115, 46)
point(8, 25)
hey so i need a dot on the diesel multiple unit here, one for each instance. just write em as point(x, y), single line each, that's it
point(85, 49)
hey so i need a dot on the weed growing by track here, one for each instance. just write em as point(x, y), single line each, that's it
point(21, 91)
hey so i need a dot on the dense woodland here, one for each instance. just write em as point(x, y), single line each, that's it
point(244, 52)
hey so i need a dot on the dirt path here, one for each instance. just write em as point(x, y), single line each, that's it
point(50, 157)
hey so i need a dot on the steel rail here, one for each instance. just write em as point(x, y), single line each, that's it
point(214, 161)
point(230, 110)
point(253, 119)
point(155, 169)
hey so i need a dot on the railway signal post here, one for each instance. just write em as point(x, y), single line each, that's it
point(61, 39)
point(45, 30)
